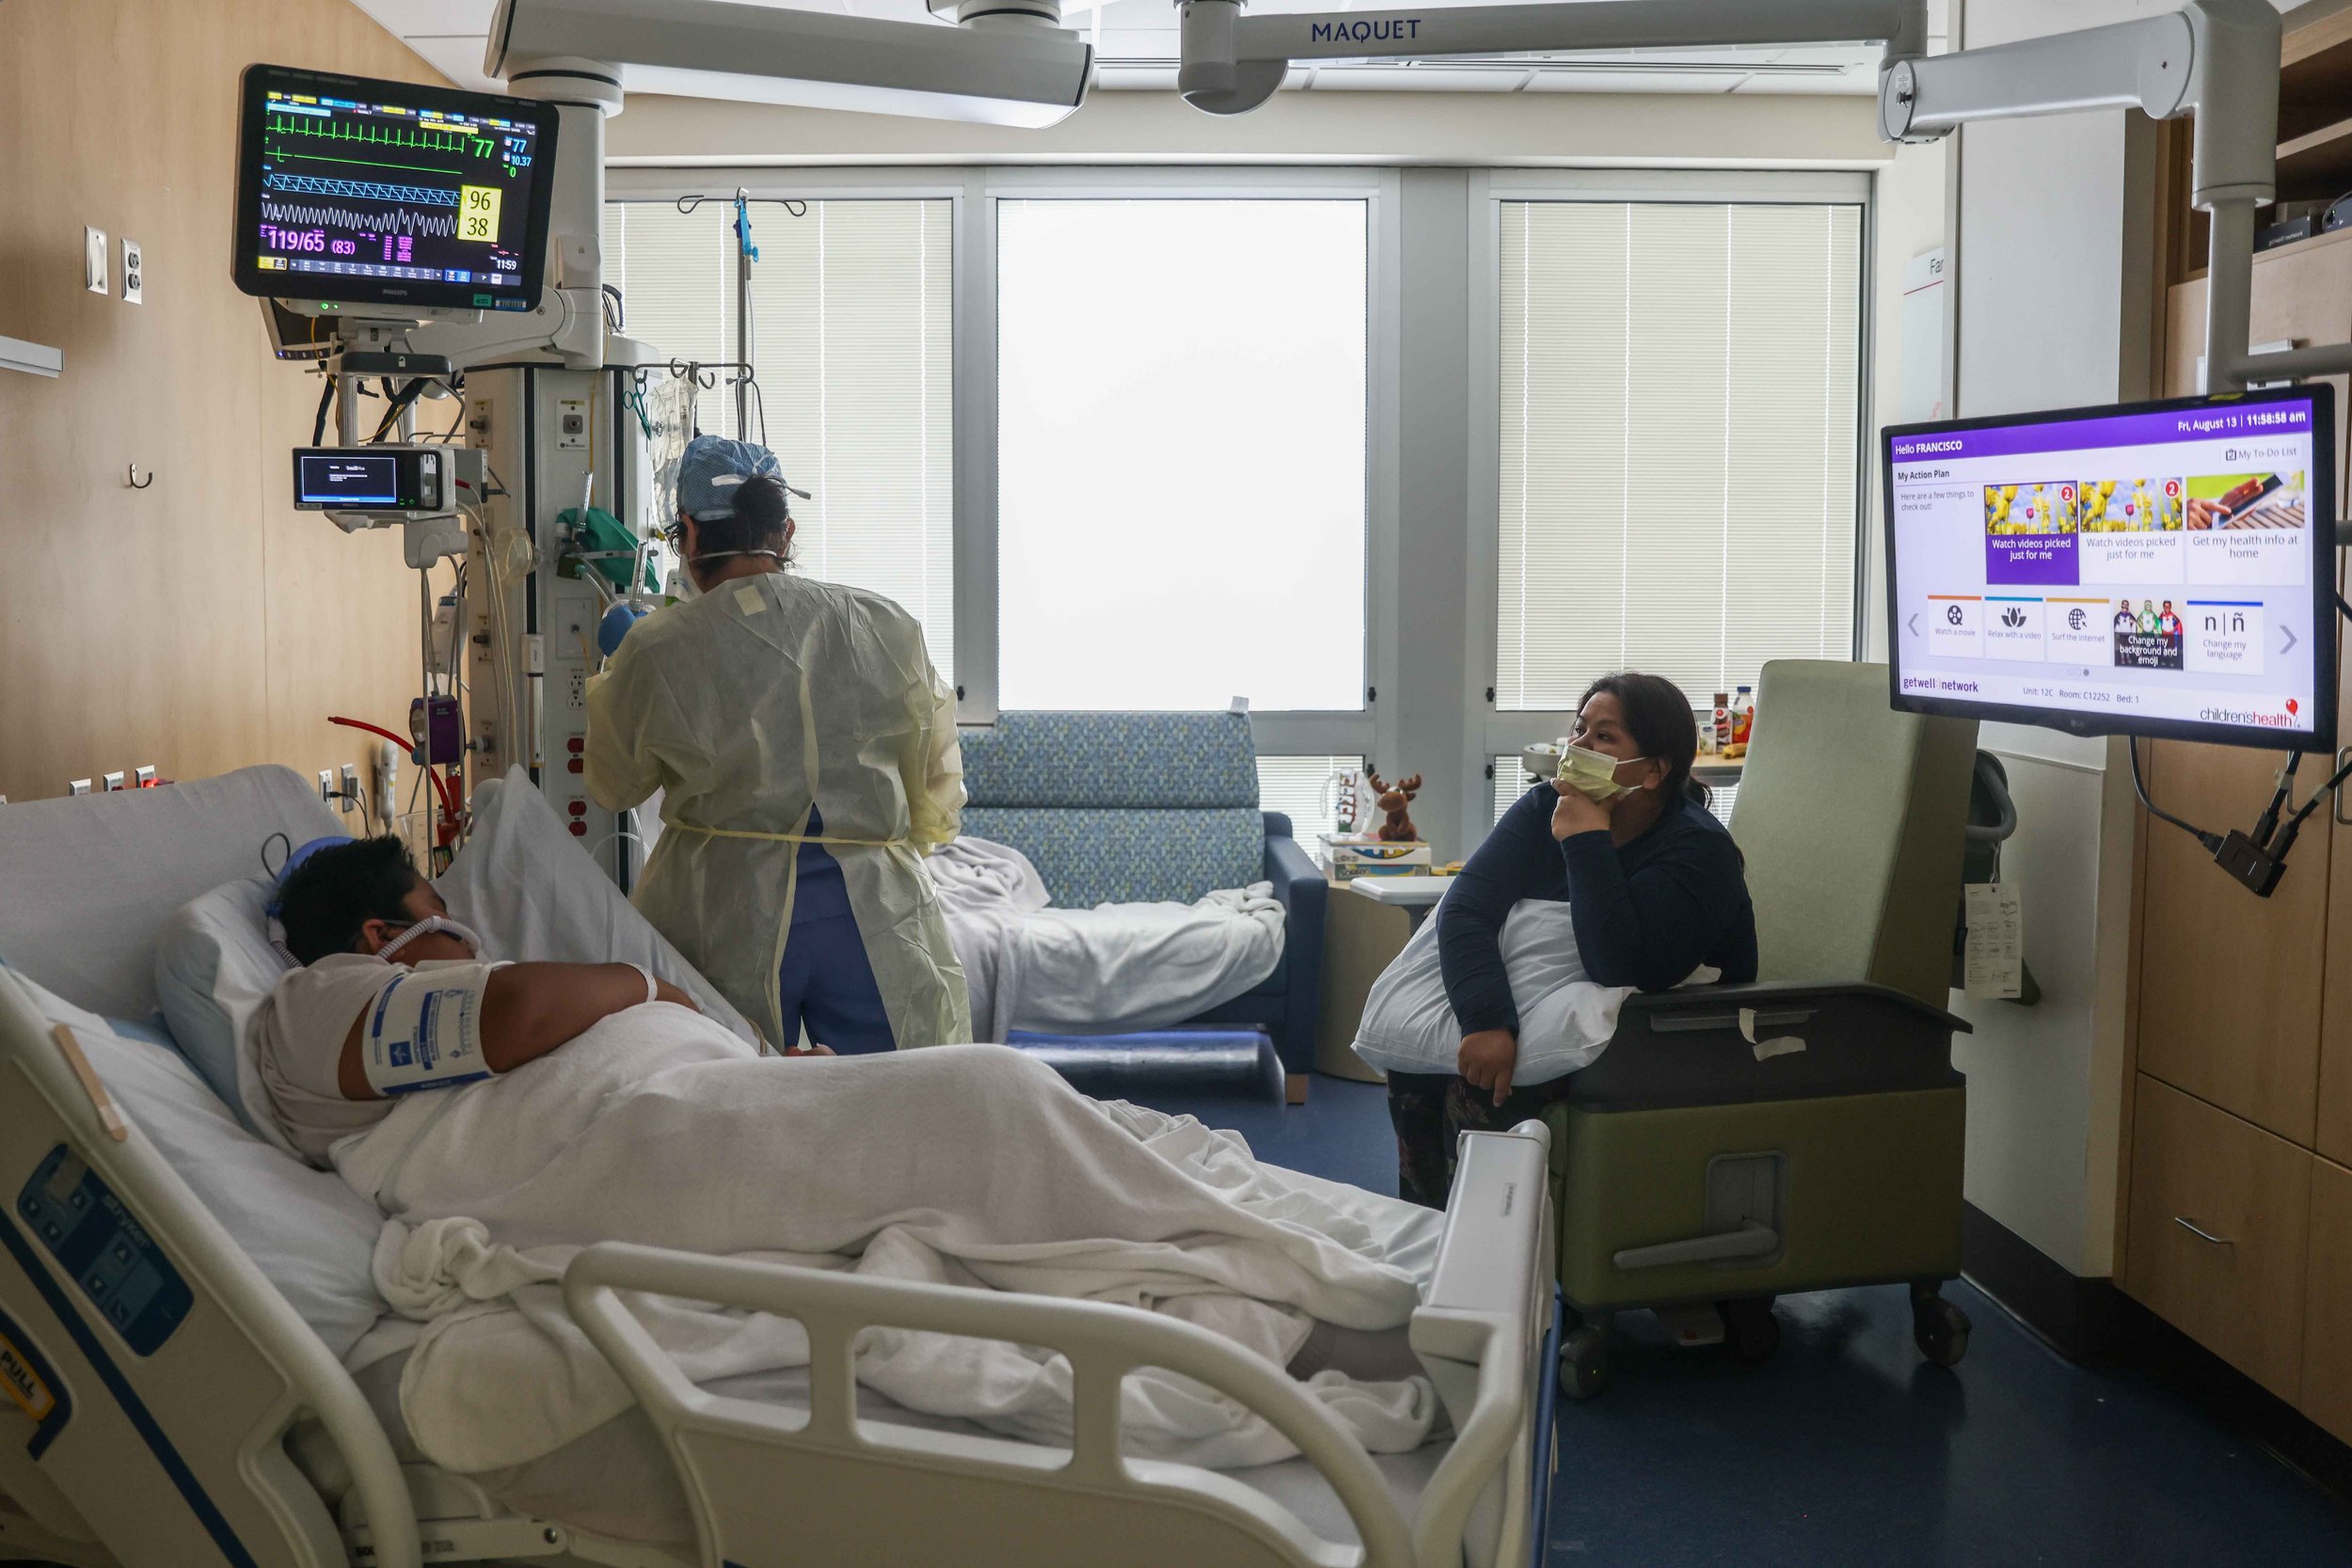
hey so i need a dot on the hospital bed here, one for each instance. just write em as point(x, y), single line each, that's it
point(167, 1405)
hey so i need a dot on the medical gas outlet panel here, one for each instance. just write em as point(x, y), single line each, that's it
point(555, 447)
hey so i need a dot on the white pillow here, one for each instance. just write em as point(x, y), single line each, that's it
point(528, 886)
point(214, 967)
point(1566, 1021)
point(311, 1235)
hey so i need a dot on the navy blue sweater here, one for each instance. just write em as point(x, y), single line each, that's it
point(1645, 913)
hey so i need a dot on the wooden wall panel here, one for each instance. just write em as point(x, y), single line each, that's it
point(201, 625)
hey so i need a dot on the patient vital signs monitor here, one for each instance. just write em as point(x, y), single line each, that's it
point(2160, 569)
point(391, 193)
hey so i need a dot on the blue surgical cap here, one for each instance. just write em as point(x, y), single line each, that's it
point(713, 466)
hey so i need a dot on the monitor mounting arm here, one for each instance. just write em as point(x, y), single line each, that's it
point(1007, 62)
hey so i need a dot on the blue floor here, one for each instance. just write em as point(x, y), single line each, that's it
point(1845, 1448)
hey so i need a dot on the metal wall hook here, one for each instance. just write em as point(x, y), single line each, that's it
point(137, 483)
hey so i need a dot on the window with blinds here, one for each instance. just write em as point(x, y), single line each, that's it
point(852, 332)
point(1681, 448)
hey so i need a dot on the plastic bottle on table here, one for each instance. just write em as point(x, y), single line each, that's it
point(1743, 718)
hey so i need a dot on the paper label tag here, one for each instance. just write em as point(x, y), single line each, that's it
point(1996, 958)
point(748, 600)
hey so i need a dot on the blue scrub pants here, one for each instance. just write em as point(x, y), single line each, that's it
point(826, 982)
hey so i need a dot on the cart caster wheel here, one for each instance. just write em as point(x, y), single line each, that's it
point(1584, 1361)
point(1750, 1329)
point(1940, 1329)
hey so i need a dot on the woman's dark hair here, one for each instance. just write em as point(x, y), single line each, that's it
point(1659, 719)
point(761, 509)
point(323, 901)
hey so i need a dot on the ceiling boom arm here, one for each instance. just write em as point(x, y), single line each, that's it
point(1232, 63)
point(2218, 59)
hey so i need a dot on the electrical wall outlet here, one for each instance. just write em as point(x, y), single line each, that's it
point(143, 777)
point(79, 786)
point(94, 259)
point(326, 786)
point(114, 781)
point(349, 801)
point(133, 284)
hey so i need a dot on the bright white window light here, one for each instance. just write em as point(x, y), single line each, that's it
point(1180, 453)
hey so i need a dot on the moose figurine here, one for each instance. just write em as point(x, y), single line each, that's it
point(1394, 800)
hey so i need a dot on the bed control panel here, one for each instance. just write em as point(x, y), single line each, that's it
point(108, 1254)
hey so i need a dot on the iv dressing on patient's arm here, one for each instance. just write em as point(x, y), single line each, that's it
point(424, 1031)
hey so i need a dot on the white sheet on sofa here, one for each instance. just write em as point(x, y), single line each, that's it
point(1111, 969)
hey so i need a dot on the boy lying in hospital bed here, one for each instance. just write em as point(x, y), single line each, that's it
point(503, 1116)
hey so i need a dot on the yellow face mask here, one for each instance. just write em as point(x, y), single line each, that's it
point(1592, 773)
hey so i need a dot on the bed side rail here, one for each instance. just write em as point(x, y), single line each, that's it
point(165, 1369)
point(860, 1493)
point(1479, 1333)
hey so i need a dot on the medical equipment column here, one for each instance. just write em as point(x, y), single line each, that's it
point(560, 441)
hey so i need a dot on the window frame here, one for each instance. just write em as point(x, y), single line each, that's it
point(1377, 730)
point(975, 192)
point(1505, 733)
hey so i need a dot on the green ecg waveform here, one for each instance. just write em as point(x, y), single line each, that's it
point(387, 137)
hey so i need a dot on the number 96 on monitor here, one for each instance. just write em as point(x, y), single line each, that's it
point(478, 212)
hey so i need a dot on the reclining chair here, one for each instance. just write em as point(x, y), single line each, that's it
point(1736, 1143)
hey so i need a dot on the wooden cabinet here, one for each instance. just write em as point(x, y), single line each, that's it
point(2230, 984)
point(2220, 1217)
point(2328, 1311)
point(2237, 1210)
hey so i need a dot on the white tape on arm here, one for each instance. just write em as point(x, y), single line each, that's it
point(653, 987)
point(424, 1031)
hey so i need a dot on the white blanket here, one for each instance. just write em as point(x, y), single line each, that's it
point(972, 1165)
point(1111, 969)
point(1566, 1021)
